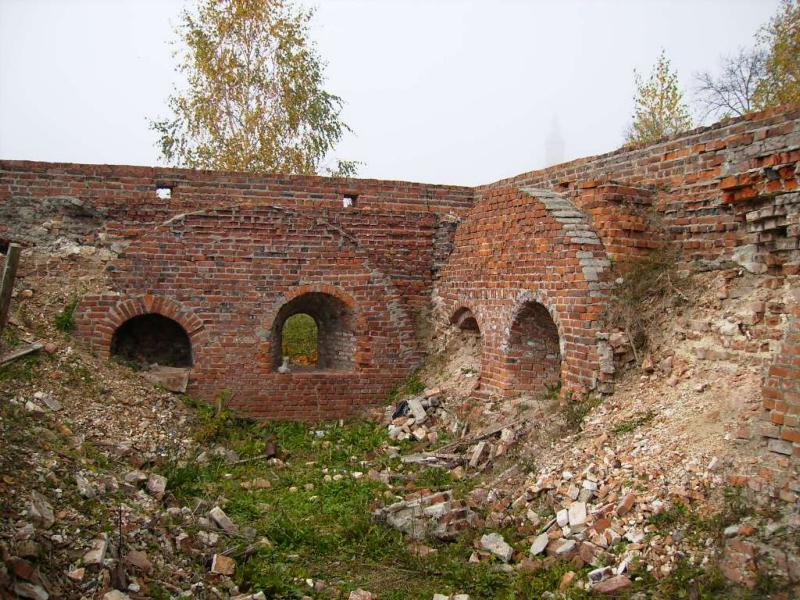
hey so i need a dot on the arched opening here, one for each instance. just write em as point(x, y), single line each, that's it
point(462, 369)
point(152, 339)
point(534, 356)
point(335, 338)
point(299, 340)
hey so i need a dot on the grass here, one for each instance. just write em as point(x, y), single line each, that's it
point(574, 410)
point(65, 320)
point(326, 531)
point(299, 337)
point(649, 287)
point(633, 423)
point(411, 386)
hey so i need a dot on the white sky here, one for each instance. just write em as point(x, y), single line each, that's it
point(442, 91)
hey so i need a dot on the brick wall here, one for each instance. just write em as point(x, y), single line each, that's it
point(528, 255)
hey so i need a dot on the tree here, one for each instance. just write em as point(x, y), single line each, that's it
point(254, 97)
point(659, 107)
point(781, 37)
point(733, 92)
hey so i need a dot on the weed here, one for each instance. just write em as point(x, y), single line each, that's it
point(10, 337)
point(65, 320)
point(469, 371)
point(649, 286)
point(21, 370)
point(633, 423)
point(675, 514)
point(574, 410)
point(411, 386)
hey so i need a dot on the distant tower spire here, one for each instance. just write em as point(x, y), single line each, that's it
point(554, 144)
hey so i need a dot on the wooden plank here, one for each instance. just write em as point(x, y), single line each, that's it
point(7, 282)
point(20, 353)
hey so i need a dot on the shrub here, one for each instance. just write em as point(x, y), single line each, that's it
point(64, 320)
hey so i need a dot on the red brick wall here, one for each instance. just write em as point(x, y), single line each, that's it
point(515, 249)
point(248, 244)
point(782, 392)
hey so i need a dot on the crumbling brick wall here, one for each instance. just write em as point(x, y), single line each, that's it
point(226, 251)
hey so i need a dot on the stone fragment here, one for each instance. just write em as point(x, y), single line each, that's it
point(77, 574)
point(494, 543)
point(97, 553)
point(417, 410)
point(156, 485)
point(85, 488)
point(612, 585)
point(116, 595)
point(47, 400)
point(360, 594)
point(24, 589)
point(561, 547)
point(562, 517)
point(577, 514)
point(600, 573)
point(539, 544)
point(477, 454)
point(624, 507)
point(139, 560)
point(135, 477)
point(223, 565)
point(566, 580)
point(780, 447)
point(174, 379)
point(222, 520)
point(40, 511)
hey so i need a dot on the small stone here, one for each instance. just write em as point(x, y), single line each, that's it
point(360, 594)
point(577, 514)
point(30, 590)
point(625, 506)
point(222, 520)
point(562, 517)
point(77, 574)
point(85, 488)
point(417, 410)
point(40, 511)
point(600, 573)
point(97, 554)
point(477, 454)
point(731, 531)
point(116, 595)
point(494, 543)
point(780, 446)
point(139, 560)
point(156, 485)
point(223, 565)
point(539, 544)
point(564, 547)
point(566, 580)
point(135, 477)
point(612, 585)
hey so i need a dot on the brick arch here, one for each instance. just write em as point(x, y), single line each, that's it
point(462, 313)
point(113, 314)
point(518, 372)
point(517, 246)
point(361, 355)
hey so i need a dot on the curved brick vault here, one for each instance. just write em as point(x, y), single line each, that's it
point(532, 270)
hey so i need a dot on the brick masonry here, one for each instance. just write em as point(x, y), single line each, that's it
point(228, 256)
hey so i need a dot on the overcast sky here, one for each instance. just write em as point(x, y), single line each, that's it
point(442, 91)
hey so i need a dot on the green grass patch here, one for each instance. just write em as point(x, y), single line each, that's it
point(633, 423)
point(22, 370)
point(65, 320)
point(299, 339)
point(410, 386)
